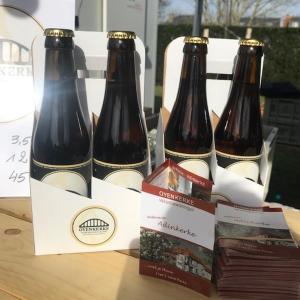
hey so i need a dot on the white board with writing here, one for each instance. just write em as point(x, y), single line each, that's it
point(14, 161)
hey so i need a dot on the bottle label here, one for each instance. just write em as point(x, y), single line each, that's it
point(128, 176)
point(245, 166)
point(195, 163)
point(73, 178)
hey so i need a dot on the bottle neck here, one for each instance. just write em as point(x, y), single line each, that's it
point(120, 67)
point(193, 75)
point(59, 65)
point(59, 82)
point(247, 69)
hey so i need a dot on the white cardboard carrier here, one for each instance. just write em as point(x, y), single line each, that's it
point(21, 21)
point(55, 210)
point(220, 60)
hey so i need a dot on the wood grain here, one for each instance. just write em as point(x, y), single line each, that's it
point(17, 207)
point(293, 220)
point(5, 296)
point(108, 275)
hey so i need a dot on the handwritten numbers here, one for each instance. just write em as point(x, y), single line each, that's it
point(17, 140)
point(11, 158)
point(23, 157)
point(18, 158)
point(15, 156)
point(18, 177)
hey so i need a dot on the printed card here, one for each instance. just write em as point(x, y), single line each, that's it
point(265, 225)
point(177, 227)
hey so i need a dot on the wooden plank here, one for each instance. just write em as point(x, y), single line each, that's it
point(17, 207)
point(5, 296)
point(108, 275)
point(293, 220)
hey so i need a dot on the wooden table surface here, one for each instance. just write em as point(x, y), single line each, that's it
point(88, 276)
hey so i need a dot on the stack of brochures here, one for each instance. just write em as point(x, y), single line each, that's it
point(255, 254)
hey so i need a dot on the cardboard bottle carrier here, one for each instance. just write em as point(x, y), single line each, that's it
point(220, 60)
point(64, 222)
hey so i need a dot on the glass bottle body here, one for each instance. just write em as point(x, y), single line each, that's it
point(120, 141)
point(188, 135)
point(238, 135)
point(61, 153)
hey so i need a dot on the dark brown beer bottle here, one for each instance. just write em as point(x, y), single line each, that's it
point(188, 135)
point(61, 153)
point(238, 135)
point(120, 141)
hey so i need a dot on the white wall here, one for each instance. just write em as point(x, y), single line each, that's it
point(90, 14)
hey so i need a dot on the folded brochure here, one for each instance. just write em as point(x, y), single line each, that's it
point(177, 227)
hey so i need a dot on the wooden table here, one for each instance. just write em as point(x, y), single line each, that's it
point(106, 275)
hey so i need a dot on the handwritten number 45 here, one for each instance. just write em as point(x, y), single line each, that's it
point(18, 177)
point(17, 140)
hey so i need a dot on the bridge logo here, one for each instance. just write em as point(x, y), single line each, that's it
point(94, 226)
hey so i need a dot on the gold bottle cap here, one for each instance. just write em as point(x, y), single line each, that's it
point(58, 32)
point(121, 35)
point(251, 42)
point(196, 40)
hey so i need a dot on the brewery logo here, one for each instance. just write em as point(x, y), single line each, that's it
point(16, 94)
point(94, 226)
point(15, 59)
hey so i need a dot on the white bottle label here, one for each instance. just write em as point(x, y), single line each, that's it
point(195, 163)
point(247, 169)
point(130, 179)
point(73, 178)
point(68, 181)
point(245, 166)
point(129, 176)
point(196, 166)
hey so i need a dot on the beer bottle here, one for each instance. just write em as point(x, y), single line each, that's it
point(61, 153)
point(188, 135)
point(238, 135)
point(120, 141)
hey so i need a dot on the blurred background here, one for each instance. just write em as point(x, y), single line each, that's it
point(276, 22)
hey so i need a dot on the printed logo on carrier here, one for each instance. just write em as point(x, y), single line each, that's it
point(94, 226)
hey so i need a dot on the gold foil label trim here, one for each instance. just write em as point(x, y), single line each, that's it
point(187, 155)
point(120, 166)
point(48, 166)
point(238, 157)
